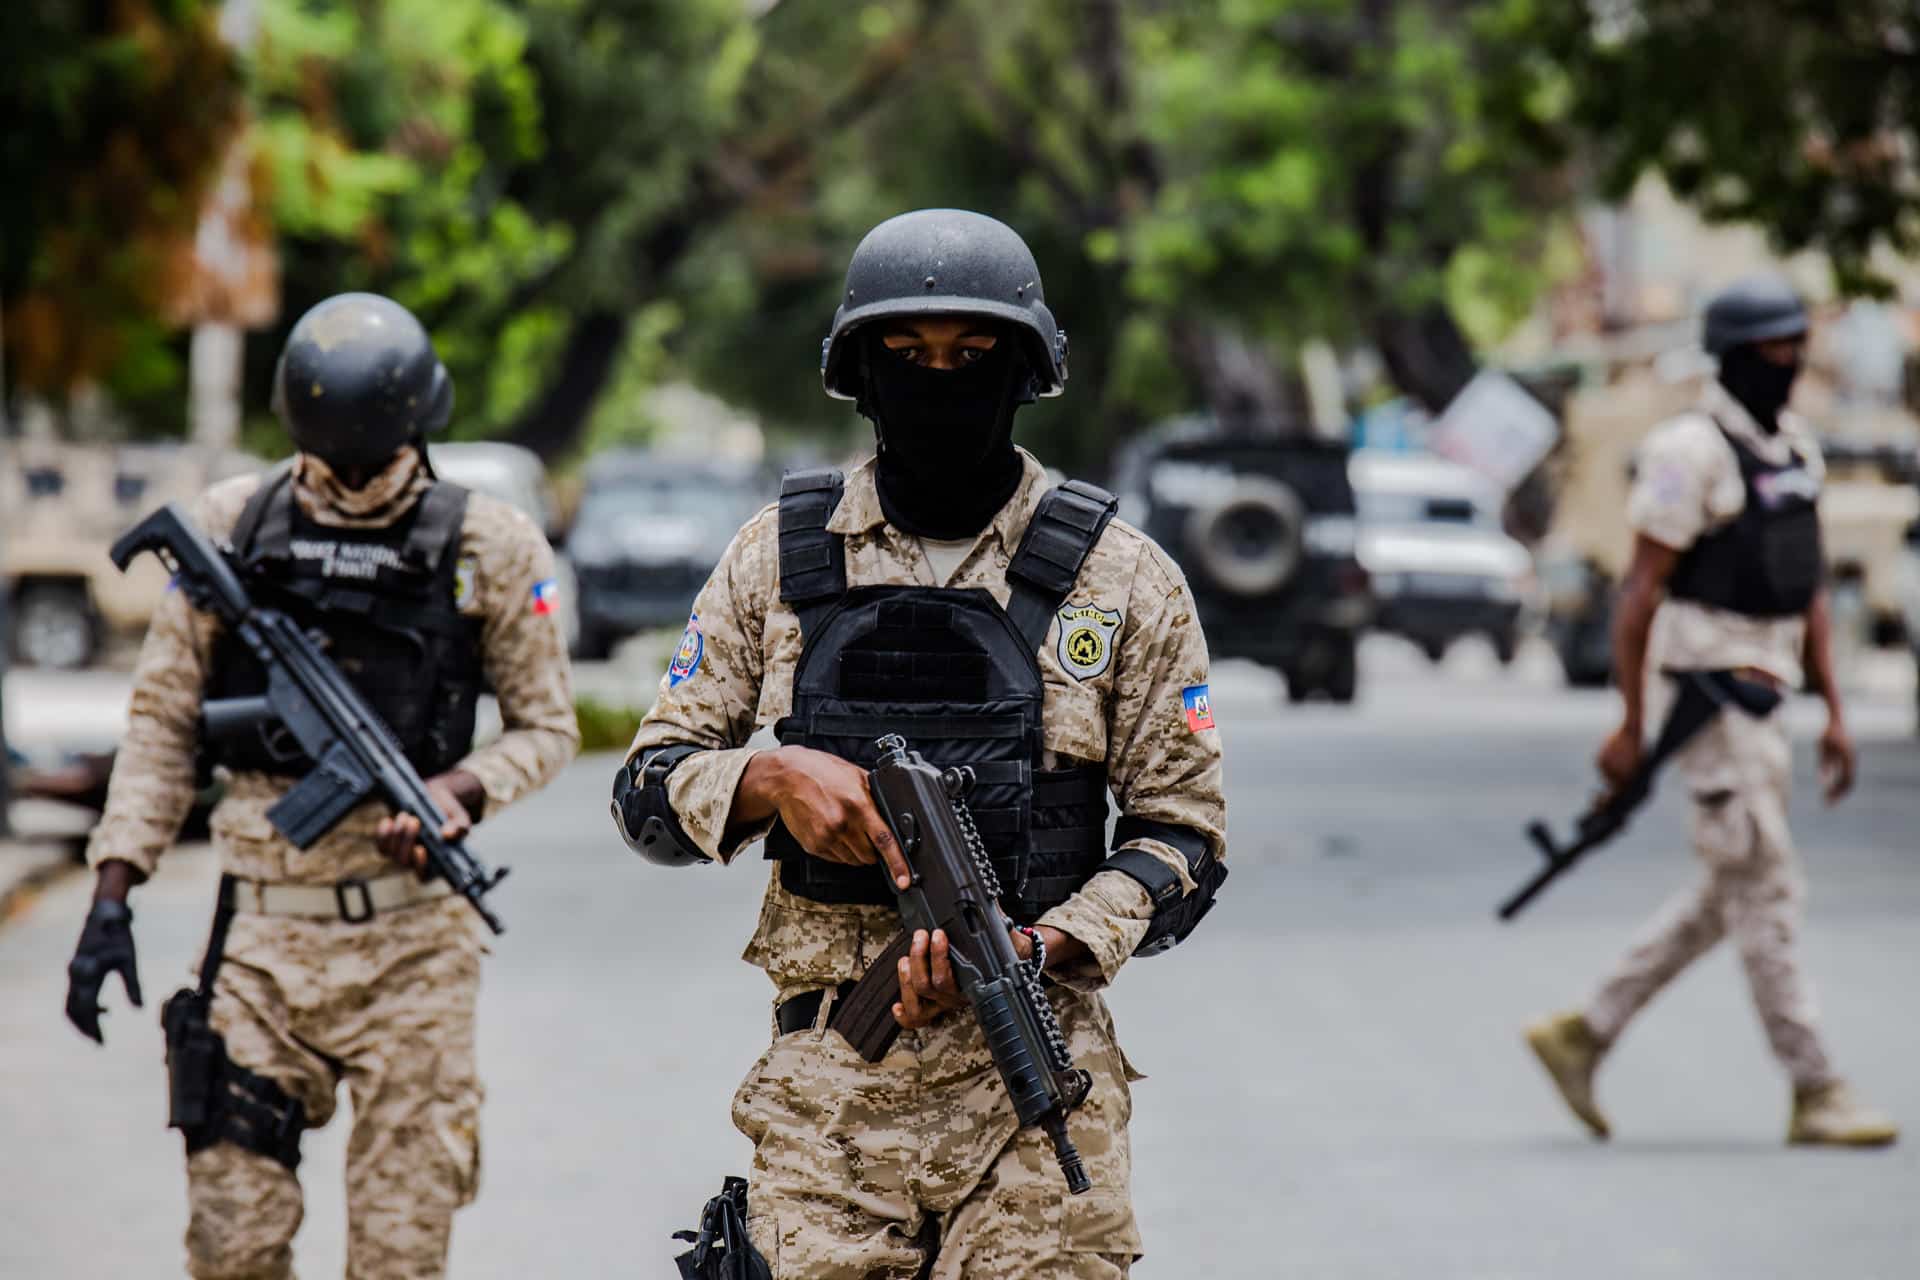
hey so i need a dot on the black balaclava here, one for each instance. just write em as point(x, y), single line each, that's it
point(947, 462)
point(1760, 385)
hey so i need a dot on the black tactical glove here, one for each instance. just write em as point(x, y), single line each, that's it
point(106, 946)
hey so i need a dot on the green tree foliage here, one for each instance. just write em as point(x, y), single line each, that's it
point(116, 119)
point(1335, 169)
point(387, 132)
point(583, 196)
point(1802, 116)
point(1206, 187)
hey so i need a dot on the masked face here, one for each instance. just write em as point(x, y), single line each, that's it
point(947, 461)
point(1760, 384)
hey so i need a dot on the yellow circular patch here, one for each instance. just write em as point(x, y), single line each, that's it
point(1085, 647)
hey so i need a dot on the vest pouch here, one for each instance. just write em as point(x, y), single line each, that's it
point(995, 739)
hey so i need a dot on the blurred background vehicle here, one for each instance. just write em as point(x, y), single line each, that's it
point(1265, 531)
point(62, 506)
point(649, 530)
point(1440, 564)
point(517, 477)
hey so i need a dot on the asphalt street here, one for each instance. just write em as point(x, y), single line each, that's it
point(1337, 1086)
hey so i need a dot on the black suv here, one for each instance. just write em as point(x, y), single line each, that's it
point(649, 531)
point(1264, 530)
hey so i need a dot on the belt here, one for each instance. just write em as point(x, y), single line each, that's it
point(799, 1013)
point(354, 901)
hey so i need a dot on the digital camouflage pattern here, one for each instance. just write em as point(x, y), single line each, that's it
point(860, 1170)
point(388, 1008)
point(525, 659)
point(387, 1005)
point(1686, 484)
point(854, 1160)
point(1739, 774)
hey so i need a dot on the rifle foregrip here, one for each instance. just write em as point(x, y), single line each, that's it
point(1021, 1066)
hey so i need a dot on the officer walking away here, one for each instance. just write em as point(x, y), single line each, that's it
point(941, 591)
point(1726, 581)
point(333, 964)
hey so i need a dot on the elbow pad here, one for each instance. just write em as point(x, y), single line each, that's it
point(1175, 915)
point(640, 809)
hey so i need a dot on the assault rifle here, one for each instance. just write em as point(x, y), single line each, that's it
point(955, 889)
point(1702, 695)
point(311, 702)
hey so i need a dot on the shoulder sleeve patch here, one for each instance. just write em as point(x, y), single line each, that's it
point(1199, 707)
point(686, 659)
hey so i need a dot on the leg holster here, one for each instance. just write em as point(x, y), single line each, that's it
point(210, 1098)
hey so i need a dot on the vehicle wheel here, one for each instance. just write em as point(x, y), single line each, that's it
point(1434, 649)
point(1249, 543)
point(1506, 647)
point(1298, 690)
point(54, 626)
point(1343, 677)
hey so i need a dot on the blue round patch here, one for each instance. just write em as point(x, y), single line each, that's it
point(693, 647)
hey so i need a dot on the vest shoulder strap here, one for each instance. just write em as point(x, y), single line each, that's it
point(247, 529)
point(435, 536)
point(1063, 531)
point(813, 559)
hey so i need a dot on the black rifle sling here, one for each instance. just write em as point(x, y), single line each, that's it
point(1702, 696)
point(217, 937)
point(247, 528)
point(813, 560)
point(1063, 531)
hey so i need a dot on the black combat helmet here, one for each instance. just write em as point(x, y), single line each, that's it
point(359, 380)
point(945, 262)
point(1753, 309)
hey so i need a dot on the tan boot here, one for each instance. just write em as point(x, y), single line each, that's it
point(1568, 1049)
point(1829, 1115)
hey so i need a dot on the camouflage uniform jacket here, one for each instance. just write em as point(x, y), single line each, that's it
point(1129, 715)
point(524, 658)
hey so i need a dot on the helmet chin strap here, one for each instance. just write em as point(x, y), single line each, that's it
point(419, 443)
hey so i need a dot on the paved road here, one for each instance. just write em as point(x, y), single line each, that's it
point(1337, 1087)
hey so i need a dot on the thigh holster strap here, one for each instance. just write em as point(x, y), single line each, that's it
point(213, 1099)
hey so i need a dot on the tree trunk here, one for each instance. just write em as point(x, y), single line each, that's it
point(1426, 354)
point(555, 420)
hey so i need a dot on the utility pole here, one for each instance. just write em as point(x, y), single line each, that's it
point(6, 590)
point(234, 284)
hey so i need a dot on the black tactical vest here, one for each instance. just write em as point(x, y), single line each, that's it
point(958, 676)
point(386, 601)
point(1766, 562)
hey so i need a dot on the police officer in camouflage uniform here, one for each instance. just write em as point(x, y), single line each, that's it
point(944, 591)
point(339, 965)
point(1726, 579)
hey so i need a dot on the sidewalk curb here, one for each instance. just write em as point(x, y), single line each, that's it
point(27, 868)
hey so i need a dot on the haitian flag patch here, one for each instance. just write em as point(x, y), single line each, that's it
point(686, 659)
point(546, 596)
point(1199, 706)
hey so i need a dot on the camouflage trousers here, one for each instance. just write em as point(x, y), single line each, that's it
point(870, 1171)
point(1739, 773)
point(388, 1007)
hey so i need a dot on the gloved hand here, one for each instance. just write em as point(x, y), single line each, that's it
point(106, 946)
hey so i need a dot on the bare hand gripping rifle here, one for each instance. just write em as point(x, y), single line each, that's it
point(955, 889)
point(354, 753)
point(1702, 695)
